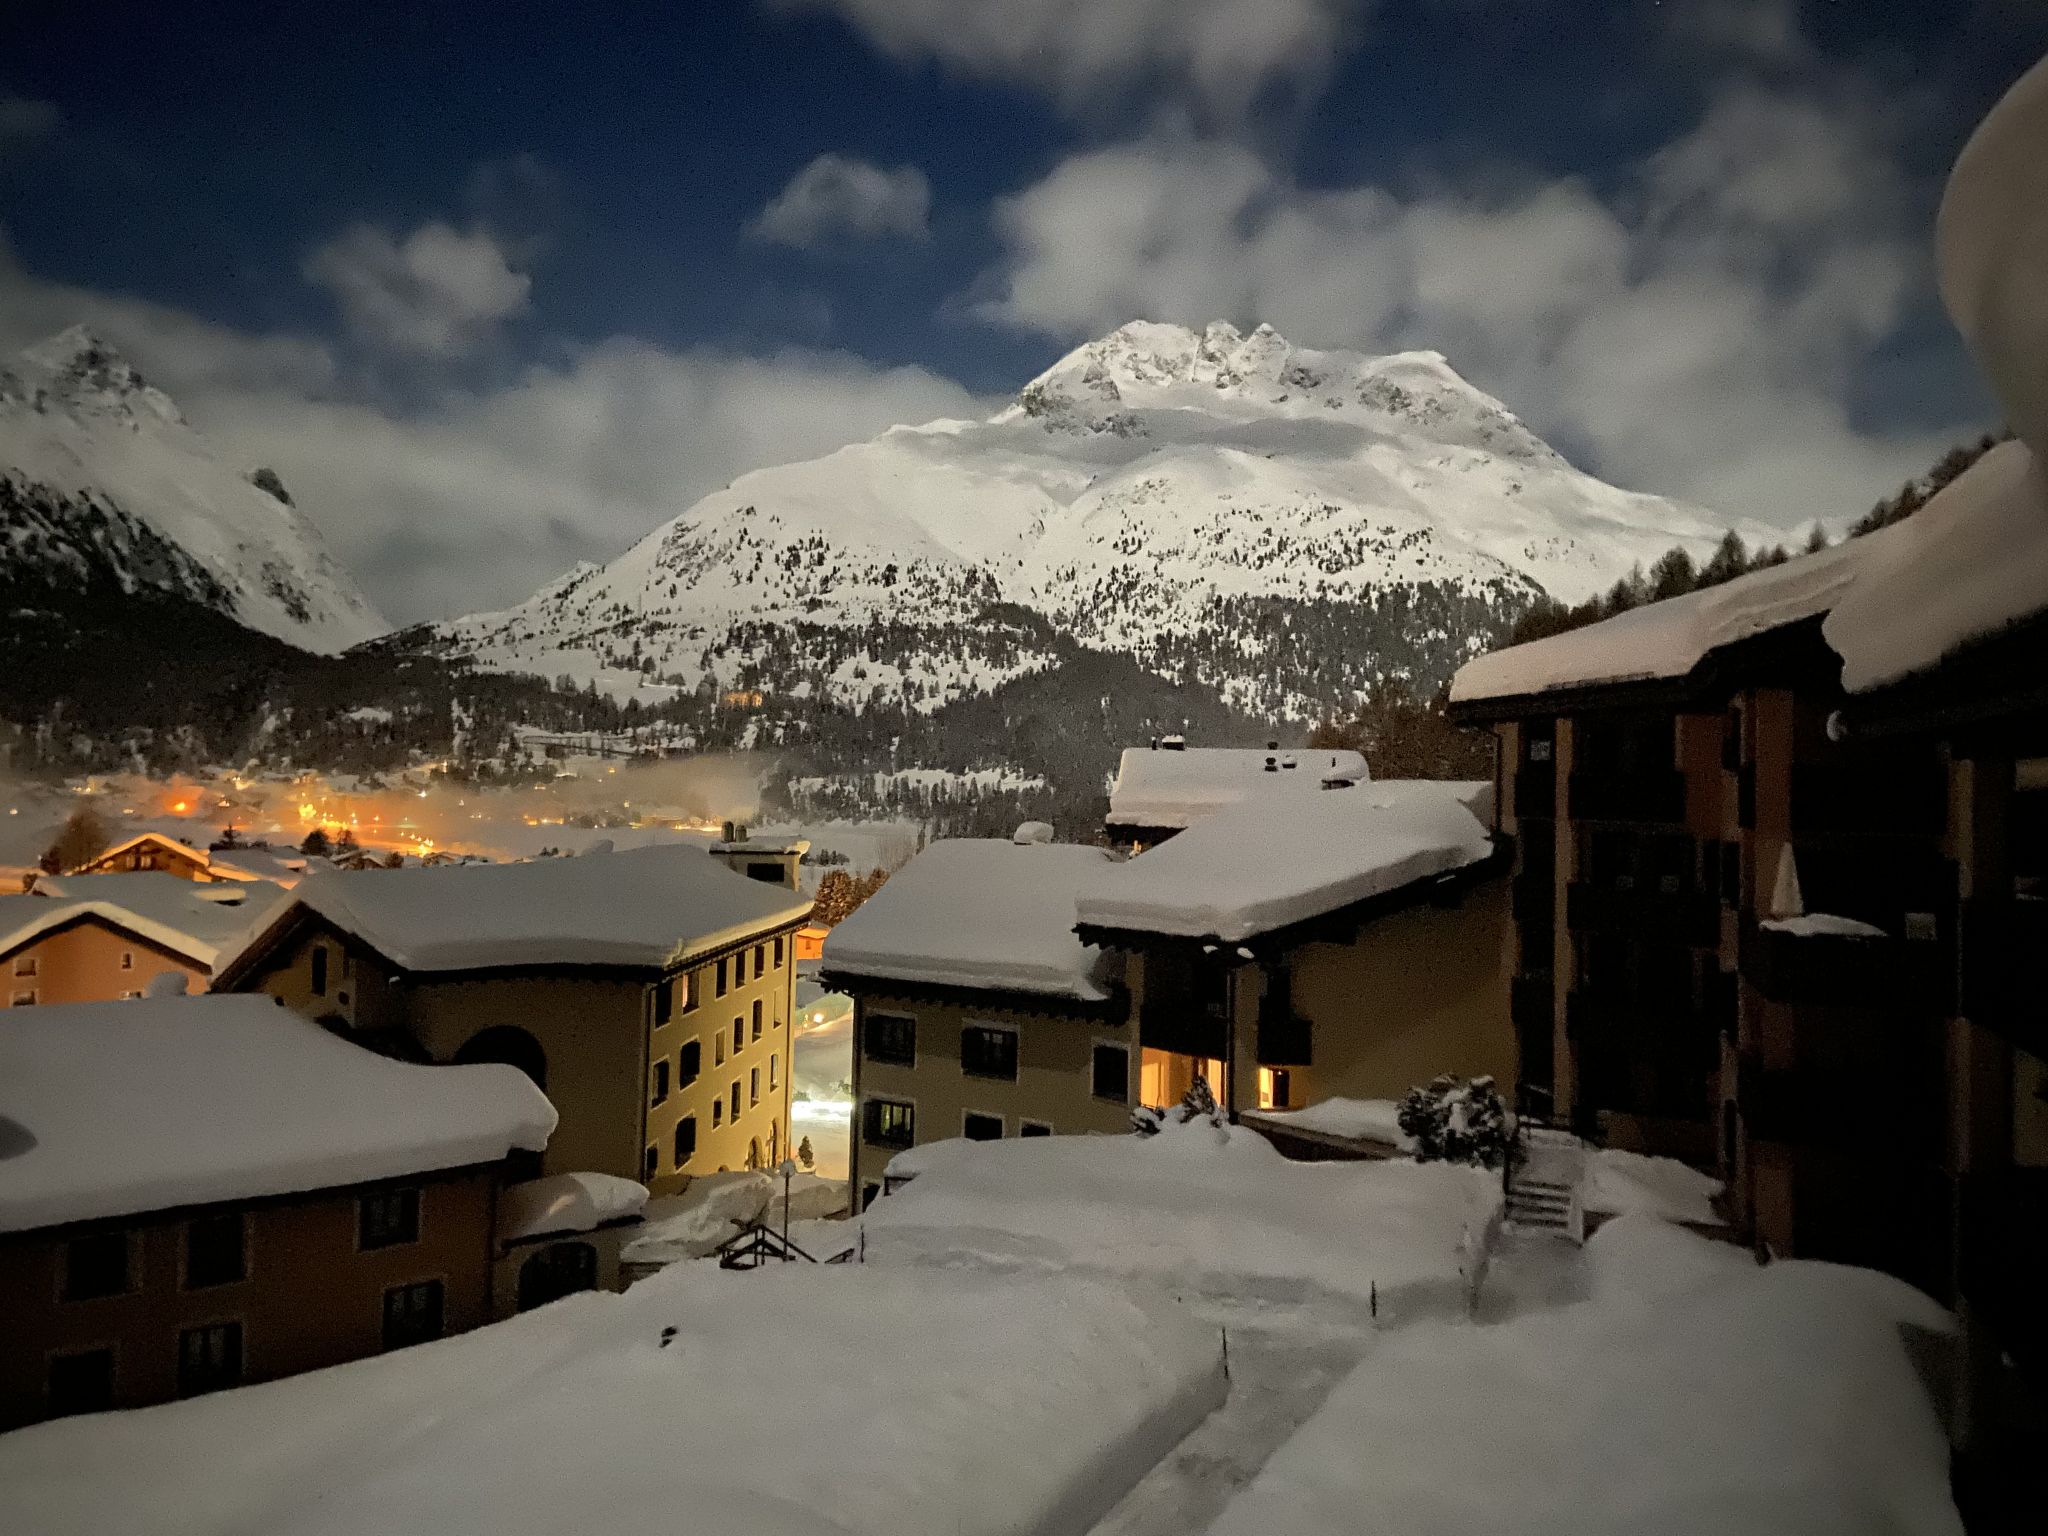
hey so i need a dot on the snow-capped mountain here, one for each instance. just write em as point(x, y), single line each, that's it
point(102, 481)
point(1284, 524)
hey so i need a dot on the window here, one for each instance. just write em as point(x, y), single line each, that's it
point(977, 1127)
point(686, 984)
point(1034, 1128)
point(868, 1194)
point(561, 1269)
point(213, 1251)
point(889, 1124)
point(753, 1087)
point(760, 961)
point(412, 1314)
point(127, 959)
point(661, 1081)
point(771, 1074)
point(689, 1061)
point(650, 1163)
point(718, 1049)
point(778, 954)
point(25, 999)
point(686, 1139)
point(986, 1052)
point(1273, 1087)
point(319, 970)
point(82, 1383)
point(757, 1018)
point(890, 1037)
point(389, 1217)
point(767, 874)
point(209, 1358)
point(719, 986)
point(24, 965)
point(717, 1113)
point(664, 1004)
point(96, 1265)
point(1110, 1073)
point(739, 1036)
point(735, 1098)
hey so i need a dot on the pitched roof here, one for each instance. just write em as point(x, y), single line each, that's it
point(198, 921)
point(1266, 864)
point(984, 913)
point(1175, 787)
point(112, 1109)
point(638, 908)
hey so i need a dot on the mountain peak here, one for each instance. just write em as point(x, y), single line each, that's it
point(79, 369)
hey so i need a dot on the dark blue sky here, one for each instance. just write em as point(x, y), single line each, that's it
point(1661, 232)
point(206, 147)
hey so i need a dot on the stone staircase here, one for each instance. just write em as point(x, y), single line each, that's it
point(1543, 1193)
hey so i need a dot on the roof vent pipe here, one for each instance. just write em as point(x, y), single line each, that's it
point(1272, 765)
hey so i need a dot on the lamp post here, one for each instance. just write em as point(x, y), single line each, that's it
point(788, 1172)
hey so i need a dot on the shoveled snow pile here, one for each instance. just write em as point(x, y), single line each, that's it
point(717, 1205)
point(1264, 864)
point(1618, 1183)
point(1692, 1393)
point(1207, 1211)
point(1178, 786)
point(935, 1404)
point(979, 912)
point(159, 1102)
point(1347, 1119)
point(631, 908)
point(567, 1202)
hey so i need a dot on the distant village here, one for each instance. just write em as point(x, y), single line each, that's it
point(1668, 1109)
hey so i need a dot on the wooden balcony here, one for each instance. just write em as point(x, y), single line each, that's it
point(2004, 967)
point(1894, 1117)
point(1648, 795)
point(1186, 1031)
point(1893, 799)
point(1827, 970)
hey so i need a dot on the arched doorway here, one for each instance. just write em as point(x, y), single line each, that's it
point(511, 1045)
point(560, 1269)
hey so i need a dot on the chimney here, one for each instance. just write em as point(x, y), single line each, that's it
point(1273, 746)
point(1272, 765)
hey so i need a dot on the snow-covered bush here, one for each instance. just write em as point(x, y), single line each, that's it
point(1457, 1121)
point(1198, 1103)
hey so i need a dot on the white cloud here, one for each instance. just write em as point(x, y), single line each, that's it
point(24, 120)
point(836, 195)
point(1696, 331)
point(486, 495)
point(1221, 54)
point(438, 292)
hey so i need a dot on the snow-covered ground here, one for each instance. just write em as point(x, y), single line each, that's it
point(797, 1401)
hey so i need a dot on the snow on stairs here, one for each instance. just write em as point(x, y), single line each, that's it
point(1543, 1193)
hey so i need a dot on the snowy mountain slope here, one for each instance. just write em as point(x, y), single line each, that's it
point(1285, 524)
point(103, 474)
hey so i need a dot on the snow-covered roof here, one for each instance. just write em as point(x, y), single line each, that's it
point(154, 838)
point(257, 864)
point(184, 916)
point(1664, 641)
point(1974, 560)
point(637, 908)
point(1176, 787)
point(1268, 863)
point(979, 912)
point(145, 1105)
point(567, 1202)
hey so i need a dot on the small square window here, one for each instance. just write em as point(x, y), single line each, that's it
point(214, 1252)
point(81, 1383)
point(1034, 1128)
point(25, 999)
point(661, 1081)
point(886, 1123)
point(689, 1062)
point(127, 959)
point(25, 965)
point(389, 1217)
point(96, 1265)
point(1110, 1073)
point(209, 1358)
point(890, 1038)
point(986, 1052)
point(757, 1019)
point(981, 1127)
point(412, 1314)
